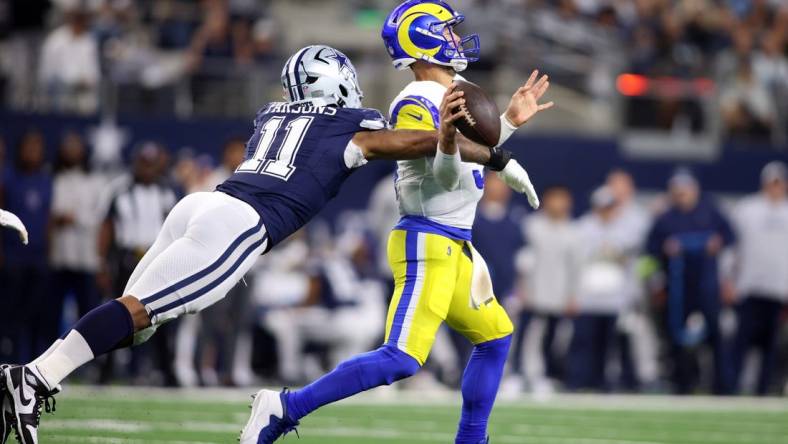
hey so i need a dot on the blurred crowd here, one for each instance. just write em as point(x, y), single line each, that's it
point(732, 50)
point(667, 291)
point(716, 66)
point(168, 56)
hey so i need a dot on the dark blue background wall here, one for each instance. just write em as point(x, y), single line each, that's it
point(580, 163)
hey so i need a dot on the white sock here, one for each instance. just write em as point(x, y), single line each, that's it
point(71, 354)
point(48, 352)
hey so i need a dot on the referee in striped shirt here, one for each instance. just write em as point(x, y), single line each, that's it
point(136, 212)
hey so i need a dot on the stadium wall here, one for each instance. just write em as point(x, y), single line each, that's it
point(580, 163)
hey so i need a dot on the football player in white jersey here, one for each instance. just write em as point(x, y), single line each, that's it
point(438, 275)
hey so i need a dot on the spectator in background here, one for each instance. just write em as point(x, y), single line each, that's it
point(69, 71)
point(221, 37)
point(770, 64)
point(497, 233)
point(637, 337)
point(549, 265)
point(74, 233)
point(688, 239)
point(232, 156)
point(173, 23)
point(229, 319)
point(217, 331)
point(604, 254)
point(498, 236)
point(762, 226)
point(219, 50)
point(139, 205)
point(26, 190)
point(191, 172)
point(383, 214)
point(342, 309)
point(748, 108)
point(630, 213)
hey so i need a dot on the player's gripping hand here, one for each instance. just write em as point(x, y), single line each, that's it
point(452, 100)
point(517, 178)
point(525, 101)
point(8, 219)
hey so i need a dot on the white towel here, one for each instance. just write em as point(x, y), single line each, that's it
point(481, 282)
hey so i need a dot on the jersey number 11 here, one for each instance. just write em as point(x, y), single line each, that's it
point(277, 160)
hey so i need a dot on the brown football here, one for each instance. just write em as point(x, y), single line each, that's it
point(482, 121)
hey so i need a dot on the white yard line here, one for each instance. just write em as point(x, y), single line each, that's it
point(142, 427)
point(411, 398)
point(96, 424)
point(605, 433)
point(380, 431)
point(105, 440)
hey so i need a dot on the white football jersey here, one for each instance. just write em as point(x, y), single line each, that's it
point(418, 192)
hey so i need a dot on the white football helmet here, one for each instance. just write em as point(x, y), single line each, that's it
point(321, 73)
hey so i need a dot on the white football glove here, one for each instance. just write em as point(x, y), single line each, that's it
point(8, 219)
point(517, 178)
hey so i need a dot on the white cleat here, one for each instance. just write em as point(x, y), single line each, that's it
point(6, 415)
point(26, 396)
point(269, 419)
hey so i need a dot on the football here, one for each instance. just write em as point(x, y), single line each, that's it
point(482, 121)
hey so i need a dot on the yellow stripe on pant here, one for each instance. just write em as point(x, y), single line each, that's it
point(432, 277)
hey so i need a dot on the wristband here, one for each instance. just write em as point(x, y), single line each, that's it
point(507, 129)
point(499, 157)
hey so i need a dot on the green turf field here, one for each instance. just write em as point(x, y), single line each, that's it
point(200, 417)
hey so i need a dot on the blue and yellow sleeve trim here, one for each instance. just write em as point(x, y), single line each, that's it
point(415, 113)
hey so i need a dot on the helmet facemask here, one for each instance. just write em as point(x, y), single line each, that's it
point(460, 51)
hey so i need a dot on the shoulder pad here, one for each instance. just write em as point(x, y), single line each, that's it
point(415, 112)
point(366, 118)
point(373, 119)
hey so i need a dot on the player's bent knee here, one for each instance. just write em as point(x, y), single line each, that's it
point(383, 366)
point(402, 365)
point(139, 315)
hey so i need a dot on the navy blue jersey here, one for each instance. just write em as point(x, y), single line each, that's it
point(295, 162)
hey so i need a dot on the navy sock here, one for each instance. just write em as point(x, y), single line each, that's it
point(106, 327)
point(480, 384)
point(363, 372)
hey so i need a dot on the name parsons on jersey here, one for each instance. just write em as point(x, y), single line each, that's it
point(299, 108)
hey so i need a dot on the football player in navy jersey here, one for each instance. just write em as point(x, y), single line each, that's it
point(299, 155)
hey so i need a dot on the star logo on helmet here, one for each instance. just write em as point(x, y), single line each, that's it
point(341, 59)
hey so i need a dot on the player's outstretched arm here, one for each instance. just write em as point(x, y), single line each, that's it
point(396, 144)
point(417, 144)
point(414, 144)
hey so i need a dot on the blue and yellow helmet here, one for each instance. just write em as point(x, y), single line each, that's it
point(417, 30)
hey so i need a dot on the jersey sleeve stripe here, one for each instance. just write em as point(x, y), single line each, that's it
point(418, 101)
